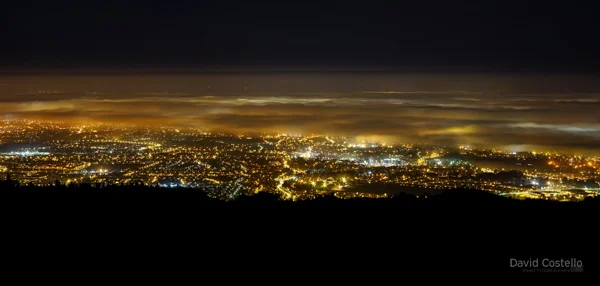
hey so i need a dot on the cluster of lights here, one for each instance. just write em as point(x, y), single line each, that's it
point(229, 165)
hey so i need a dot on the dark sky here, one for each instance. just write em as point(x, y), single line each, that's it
point(541, 35)
point(514, 110)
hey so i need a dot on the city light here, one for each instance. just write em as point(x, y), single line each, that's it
point(294, 166)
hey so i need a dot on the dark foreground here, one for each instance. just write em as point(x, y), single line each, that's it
point(460, 231)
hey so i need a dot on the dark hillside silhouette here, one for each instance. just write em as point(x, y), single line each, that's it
point(140, 193)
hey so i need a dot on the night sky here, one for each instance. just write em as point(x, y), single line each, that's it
point(506, 35)
point(519, 76)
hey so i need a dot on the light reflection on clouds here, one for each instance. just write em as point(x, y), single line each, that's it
point(555, 112)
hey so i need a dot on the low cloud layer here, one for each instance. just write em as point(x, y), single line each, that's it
point(547, 112)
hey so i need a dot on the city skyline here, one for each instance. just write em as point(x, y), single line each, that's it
point(393, 83)
point(465, 133)
point(294, 167)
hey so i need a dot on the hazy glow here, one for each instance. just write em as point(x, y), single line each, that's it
point(493, 110)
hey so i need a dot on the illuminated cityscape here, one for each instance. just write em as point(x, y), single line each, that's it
point(180, 134)
point(294, 166)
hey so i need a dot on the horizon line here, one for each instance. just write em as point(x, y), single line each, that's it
point(218, 69)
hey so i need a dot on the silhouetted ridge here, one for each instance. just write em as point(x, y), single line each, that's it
point(98, 193)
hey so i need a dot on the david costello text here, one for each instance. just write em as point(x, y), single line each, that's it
point(547, 265)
